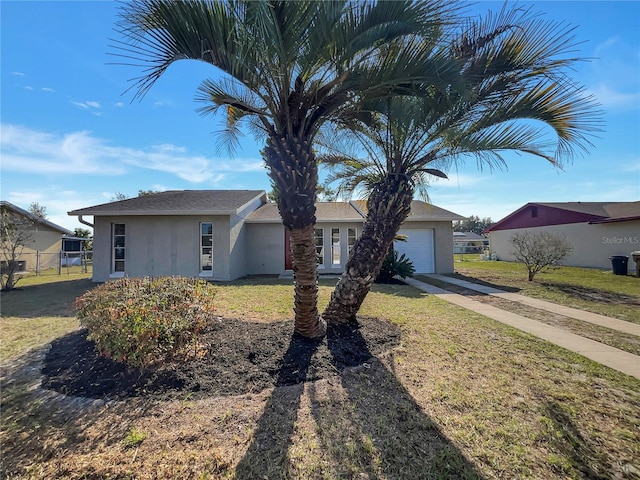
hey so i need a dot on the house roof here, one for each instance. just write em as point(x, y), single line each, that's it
point(466, 236)
point(354, 211)
point(35, 218)
point(178, 202)
point(420, 212)
point(325, 212)
point(560, 213)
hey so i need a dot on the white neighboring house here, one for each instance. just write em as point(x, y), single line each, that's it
point(228, 234)
point(469, 242)
point(596, 230)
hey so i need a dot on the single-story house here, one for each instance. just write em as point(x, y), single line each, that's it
point(44, 242)
point(469, 242)
point(228, 234)
point(596, 230)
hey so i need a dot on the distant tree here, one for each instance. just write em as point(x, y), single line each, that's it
point(325, 193)
point(144, 193)
point(472, 224)
point(15, 234)
point(539, 251)
point(84, 233)
point(38, 210)
point(119, 196)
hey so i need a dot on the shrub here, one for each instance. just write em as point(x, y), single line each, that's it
point(144, 321)
point(539, 251)
point(395, 266)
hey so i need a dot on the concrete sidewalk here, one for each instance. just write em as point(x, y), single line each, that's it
point(611, 357)
point(601, 320)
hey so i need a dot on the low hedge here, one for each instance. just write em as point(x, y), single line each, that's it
point(145, 321)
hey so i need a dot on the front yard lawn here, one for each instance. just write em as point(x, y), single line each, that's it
point(460, 396)
point(594, 290)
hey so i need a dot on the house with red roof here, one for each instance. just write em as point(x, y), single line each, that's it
point(596, 230)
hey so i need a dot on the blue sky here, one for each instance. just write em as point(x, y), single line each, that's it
point(71, 137)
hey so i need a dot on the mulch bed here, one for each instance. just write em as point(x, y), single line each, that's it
point(241, 357)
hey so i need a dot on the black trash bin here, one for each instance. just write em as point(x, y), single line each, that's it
point(619, 264)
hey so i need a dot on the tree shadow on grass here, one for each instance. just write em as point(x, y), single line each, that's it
point(367, 424)
point(506, 288)
point(581, 453)
point(53, 299)
point(267, 456)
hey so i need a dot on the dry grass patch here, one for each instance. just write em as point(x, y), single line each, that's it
point(463, 397)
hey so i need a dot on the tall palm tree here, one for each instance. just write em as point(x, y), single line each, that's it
point(289, 67)
point(518, 98)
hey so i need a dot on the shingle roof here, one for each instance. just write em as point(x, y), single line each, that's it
point(420, 212)
point(177, 202)
point(609, 210)
point(325, 212)
point(35, 218)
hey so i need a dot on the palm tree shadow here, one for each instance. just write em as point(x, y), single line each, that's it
point(267, 456)
point(386, 433)
point(366, 420)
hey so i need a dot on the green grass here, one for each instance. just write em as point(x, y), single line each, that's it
point(463, 397)
point(598, 291)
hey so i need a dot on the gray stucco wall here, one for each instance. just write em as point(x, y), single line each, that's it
point(161, 245)
point(265, 248)
point(593, 244)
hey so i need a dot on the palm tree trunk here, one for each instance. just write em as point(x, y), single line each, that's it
point(388, 206)
point(292, 167)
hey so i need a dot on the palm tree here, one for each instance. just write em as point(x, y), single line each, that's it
point(518, 98)
point(288, 68)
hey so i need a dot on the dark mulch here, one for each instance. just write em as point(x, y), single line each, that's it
point(242, 357)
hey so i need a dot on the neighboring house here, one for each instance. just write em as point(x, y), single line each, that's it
point(42, 251)
point(227, 234)
point(596, 230)
point(469, 242)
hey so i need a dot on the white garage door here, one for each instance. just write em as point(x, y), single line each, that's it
point(419, 248)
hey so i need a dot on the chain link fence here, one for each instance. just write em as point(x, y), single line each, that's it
point(43, 263)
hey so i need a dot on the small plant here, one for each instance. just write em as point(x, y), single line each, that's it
point(134, 438)
point(539, 251)
point(144, 321)
point(395, 265)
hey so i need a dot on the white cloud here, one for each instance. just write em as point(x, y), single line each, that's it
point(47, 89)
point(88, 105)
point(118, 104)
point(77, 153)
point(609, 97)
point(18, 74)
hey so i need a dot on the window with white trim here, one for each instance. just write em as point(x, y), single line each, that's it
point(335, 246)
point(352, 237)
point(318, 235)
point(206, 247)
point(118, 248)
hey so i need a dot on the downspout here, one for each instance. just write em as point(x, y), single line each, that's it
point(84, 222)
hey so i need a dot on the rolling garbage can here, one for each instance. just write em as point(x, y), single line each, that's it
point(619, 264)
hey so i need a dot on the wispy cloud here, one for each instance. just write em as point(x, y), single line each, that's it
point(81, 153)
point(88, 105)
point(47, 89)
point(18, 74)
point(611, 98)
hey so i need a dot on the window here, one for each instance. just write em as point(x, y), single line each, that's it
point(335, 246)
point(352, 236)
point(206, 247)
point(118, 242)
point(319, 243)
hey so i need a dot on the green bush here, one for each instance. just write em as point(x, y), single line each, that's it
point(394, 265)
point(144, 321)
